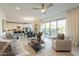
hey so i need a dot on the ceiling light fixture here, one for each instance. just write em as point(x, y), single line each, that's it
point(17, 8)
point(43, 10)
point(28, 18)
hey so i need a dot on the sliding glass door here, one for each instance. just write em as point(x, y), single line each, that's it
point(43, 29)
point(61, 26)
point(47, 30)
point(51, 29)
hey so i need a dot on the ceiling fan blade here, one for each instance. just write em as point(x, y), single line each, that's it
point(50, 5)
point(36, 8)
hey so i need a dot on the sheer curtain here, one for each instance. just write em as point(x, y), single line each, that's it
point(72, 25)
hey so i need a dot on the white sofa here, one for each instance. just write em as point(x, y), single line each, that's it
point(62, 45)
point(3, 35)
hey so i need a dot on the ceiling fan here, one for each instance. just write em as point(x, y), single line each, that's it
point(44, 7)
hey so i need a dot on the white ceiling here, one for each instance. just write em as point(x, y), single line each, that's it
point(27, 11)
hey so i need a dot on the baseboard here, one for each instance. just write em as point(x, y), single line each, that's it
point(61, 50)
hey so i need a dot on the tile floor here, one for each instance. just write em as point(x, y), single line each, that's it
point(48, 50)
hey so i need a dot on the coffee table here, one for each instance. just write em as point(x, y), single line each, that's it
point(37, 45)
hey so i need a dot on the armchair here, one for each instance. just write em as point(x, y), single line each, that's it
point(62, 43)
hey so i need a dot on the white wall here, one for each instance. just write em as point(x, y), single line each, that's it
point(2, 17)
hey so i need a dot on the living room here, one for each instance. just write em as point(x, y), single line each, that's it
point(39, 29)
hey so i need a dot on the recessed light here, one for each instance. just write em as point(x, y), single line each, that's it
point(17, 8)
point(28, 18)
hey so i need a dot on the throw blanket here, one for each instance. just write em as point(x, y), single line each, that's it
point(4, 47)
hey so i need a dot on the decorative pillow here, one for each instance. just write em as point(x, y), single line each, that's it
point(60, 36)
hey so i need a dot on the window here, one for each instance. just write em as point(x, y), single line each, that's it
point(61, 26)
point(47, 29)
point(28, 27)
point(50, 29)
point(53, 29)
point(43, 28)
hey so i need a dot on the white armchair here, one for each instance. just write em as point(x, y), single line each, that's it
point(62, 45)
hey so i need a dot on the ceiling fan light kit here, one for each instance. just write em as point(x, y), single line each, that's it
point(43, 10)
point(43, 7)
